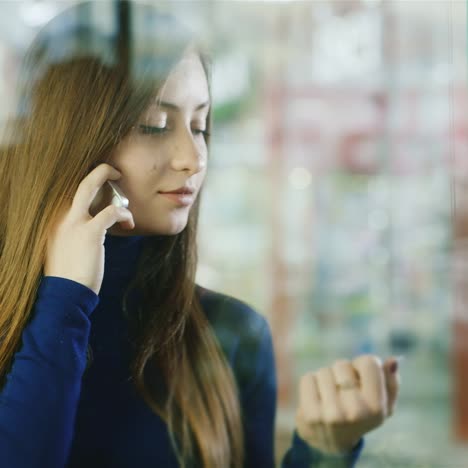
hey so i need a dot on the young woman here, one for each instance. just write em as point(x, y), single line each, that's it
point(110, 354)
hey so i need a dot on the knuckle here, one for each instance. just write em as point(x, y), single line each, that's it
point(341, 363)
point(354, 416)
point(84, 183)
point(119, 210)
point(92, 229)
point(369, 361)
point(377, 414)
point(104, 172)
point(101, 171)
point(311, 418)
point(110, 169)
point(321, 371)
point(359, 360)
point(363, 358)
point(333, 418)
point(375, 360)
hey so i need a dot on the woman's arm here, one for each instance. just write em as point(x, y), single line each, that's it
point(259, 406)
point(39, 400)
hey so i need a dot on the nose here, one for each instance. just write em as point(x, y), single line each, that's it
point(188, 155)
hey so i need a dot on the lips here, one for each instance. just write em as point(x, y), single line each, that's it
point(180, 191)
point(183, 196)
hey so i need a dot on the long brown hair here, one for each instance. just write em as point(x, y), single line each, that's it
point(77, 107)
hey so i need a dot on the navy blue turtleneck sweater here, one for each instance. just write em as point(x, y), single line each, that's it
point(55, 413)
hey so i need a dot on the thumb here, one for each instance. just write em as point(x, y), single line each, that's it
point(392, 381)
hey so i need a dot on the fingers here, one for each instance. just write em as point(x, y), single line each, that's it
point(309, 398)
point(89, 187)
point(392, 380)
point(341, 403)
point(331, 406)
point(344, 372)
point(351, 401)
point(373, 387)
point(111, 215)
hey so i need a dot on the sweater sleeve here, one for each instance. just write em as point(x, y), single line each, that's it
point(302, 455)
point(259, 403)
point(39, 400)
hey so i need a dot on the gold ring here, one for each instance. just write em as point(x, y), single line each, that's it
point(348, 385)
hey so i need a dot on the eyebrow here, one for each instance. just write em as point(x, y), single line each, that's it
point(176, 108)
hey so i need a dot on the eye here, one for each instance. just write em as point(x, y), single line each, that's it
point(197, 131)
point(151, 130)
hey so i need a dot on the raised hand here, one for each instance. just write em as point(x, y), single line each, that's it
point(75, 247)
point(339, 404)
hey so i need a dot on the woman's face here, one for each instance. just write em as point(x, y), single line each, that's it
point(166, 151)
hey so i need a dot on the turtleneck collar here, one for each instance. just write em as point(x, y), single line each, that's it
point(122, 241)
point(121, 255)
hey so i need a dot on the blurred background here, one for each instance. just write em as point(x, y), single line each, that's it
point(337, 197)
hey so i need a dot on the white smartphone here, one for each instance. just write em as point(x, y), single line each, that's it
point(118, 198)
point(109, 193)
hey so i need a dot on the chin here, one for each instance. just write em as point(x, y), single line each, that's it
point(162, 225)
point(177, 222)
point(176, 229)
point(171, 227)
point(169, 232)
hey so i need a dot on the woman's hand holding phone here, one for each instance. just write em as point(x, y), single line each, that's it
point(75, 247)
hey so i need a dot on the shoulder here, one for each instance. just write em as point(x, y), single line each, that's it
point(245, 337)
point(240, 329)
point(222, 309)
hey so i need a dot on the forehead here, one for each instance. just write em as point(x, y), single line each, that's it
point(186, 85)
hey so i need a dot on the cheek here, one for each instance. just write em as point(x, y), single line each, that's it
point(202, 176)
point(133, 162)
point(139, 163)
